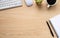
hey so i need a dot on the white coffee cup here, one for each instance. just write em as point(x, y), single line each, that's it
point(50, 4)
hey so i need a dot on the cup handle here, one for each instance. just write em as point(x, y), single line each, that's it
point(48, 6)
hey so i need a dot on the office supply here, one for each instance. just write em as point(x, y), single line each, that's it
point(50, 29)
point(29, 2)
point(55, 22)
point(9, 3)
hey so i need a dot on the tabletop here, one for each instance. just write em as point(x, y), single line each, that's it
point(27, 22)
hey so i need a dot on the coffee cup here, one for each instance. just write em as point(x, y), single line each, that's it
point(51, 3)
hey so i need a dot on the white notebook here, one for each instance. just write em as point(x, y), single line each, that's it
point(55, 21)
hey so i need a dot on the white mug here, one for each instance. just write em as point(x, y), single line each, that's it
point(53, 3)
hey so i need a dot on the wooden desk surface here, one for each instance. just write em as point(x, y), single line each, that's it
point(27, 22)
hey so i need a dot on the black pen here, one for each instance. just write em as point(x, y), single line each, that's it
point(50, 29)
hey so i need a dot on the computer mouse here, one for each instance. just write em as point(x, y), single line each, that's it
point(29, 2)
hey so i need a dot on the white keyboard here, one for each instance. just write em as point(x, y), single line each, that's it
point(9, 3)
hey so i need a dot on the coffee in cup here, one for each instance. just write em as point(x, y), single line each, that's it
point(51, 3)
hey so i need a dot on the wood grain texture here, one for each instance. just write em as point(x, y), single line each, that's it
point(27, 22)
